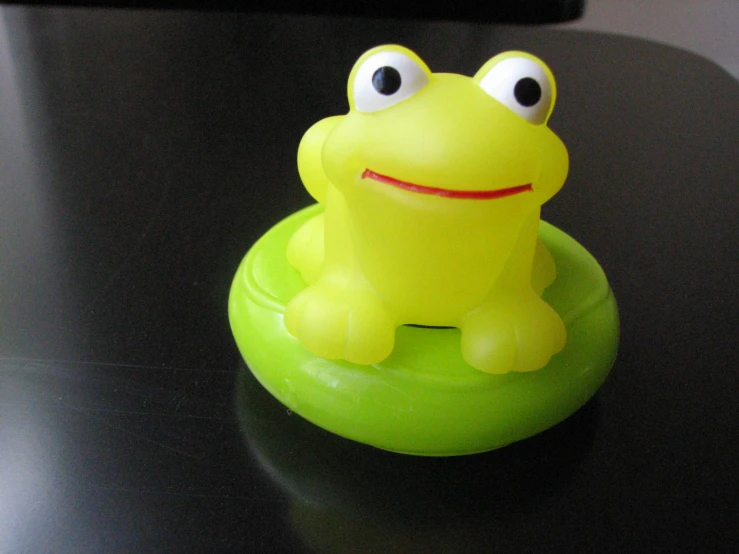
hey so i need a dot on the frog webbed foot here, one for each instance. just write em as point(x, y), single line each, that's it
point(340, 323)
point(512, 333)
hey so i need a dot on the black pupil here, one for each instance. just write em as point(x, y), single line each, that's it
point(527, 91)
point(386, 80)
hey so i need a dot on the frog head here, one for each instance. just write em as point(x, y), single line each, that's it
point(436, 135)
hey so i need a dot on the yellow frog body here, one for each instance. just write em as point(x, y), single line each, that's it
point(432, 186)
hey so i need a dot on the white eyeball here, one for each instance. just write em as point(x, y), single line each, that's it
point(385, 79)
point(522, 85)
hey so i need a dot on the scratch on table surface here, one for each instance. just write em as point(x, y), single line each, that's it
point(146, 413)
point(125, 431)
point(121, 393)
point(51, 362)
point(186, 493)
point(180, 398)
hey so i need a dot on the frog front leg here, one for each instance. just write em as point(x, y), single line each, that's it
point(305, 249)
point(339, 319)
point(339, 316)
point(514, 329)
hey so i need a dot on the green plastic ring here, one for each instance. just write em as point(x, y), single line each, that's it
point(424, 399)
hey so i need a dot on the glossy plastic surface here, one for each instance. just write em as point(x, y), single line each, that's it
point(424, 399)
point(432, 186)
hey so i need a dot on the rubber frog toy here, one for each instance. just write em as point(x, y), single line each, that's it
point(432, 186)
point(429, 193)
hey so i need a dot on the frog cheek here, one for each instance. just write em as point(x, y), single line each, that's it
point(342, 162)
point(555, 166)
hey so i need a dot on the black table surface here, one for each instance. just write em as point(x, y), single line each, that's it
point(142, 153)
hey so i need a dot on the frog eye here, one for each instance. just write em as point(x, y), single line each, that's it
point(522, 84)
point(386, 78)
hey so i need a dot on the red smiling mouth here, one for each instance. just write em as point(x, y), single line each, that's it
point(446, 193)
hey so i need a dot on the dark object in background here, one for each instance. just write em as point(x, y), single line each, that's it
point(500, 11)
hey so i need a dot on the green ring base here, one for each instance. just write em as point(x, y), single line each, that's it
point(424, 399)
